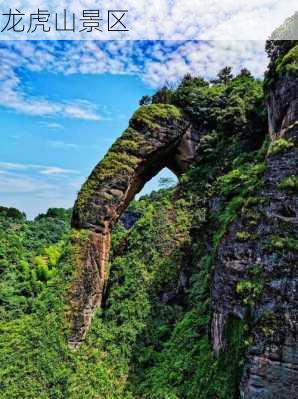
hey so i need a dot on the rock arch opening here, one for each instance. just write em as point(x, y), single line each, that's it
point(163, 179)
point(158, 137)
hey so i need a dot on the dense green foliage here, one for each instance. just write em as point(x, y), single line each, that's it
point(282, 53)
point(151, 338)
point(29, 253)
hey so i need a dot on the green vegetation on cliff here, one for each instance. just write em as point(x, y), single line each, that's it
point(151, 339)
point(124, 155)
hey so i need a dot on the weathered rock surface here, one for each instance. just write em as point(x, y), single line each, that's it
point(266, 261)
point(255, 274)
point(271, 267)
point(157, 137)
point(283, 107)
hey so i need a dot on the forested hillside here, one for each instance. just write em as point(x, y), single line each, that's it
point(202, 276)
point(29, 253)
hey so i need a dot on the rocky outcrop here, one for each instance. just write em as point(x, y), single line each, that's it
point(256, 277)
point(158, 136)
point(256, 280)
point(255, 266)
point(283, 107)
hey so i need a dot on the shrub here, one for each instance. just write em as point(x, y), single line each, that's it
point(282, 243)
point(289, 183)
point(249, 290)
point(243, 236)
point(289, 62)
point(279, 146)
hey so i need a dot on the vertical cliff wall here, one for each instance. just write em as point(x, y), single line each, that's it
point(256, 274)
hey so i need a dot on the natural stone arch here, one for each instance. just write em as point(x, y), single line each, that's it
point(158, 136)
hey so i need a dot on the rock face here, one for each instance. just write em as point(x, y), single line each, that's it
point(255, 273)
point(256, 277)
point(157, 137)
point(283, 108)
point(266, 261)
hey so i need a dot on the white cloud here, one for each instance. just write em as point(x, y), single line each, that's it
point(34, 188)
point(154, 62)
point(81, 110)
point(55, 170)
point(34, 195)
point(52, 125)
point(12, 96)
point(171, 19)
point(62, 145)
point(21, 56)
point(15, 166)
point(16, 184)
point(40, 169)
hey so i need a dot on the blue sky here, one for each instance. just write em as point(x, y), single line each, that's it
point(62, 104)
point(44, 159)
